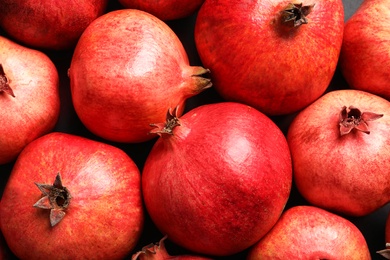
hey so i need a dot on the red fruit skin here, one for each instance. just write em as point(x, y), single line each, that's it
point(105, 216)
point(255, 60)
point(307, 232)
point(365, 53)
point(221, 181)
point(165, 9)
point(49, 24)
point(35, 109)
point(127, 69)
point(348, 174)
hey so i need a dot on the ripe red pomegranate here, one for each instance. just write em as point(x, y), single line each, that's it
point(277, 56)
point(165, 9)
point(158, 252)
point(339, 147)
point(49, 24)
point(86, 197)
point(218, 178)
point(29, 97)
point(307, 232)
point(365, 55)
point(126, 70)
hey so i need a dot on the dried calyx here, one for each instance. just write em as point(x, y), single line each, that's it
point(56, 198)
point(201, 81)
point(385, 252)
point(172, 120)
point(4, 83)
point(295, 14)
point(353, 118)
point(152, 251)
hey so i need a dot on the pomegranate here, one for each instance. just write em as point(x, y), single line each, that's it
point(218, 178)
point(339, 147)
point(165, 9)
point(127, 68)
point(29, 97)
point(158, 252)
point(277, 55)
point(86, 197)
point(307, 232)
point(49, 24)
point(365, 55)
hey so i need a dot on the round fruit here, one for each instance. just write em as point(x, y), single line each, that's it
point(308, 232)
point(86, 197)
point(365, 54)
point(127, 69)
point(29, 97)
point(49, 24)
point(275, 55)
point(218, 178)
point(339, 147)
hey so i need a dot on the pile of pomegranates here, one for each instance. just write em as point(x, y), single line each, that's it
point(208, 129)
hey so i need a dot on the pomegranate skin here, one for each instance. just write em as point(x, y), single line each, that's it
point(365, 53)
point(35, 109)
point(165, 9)
point(307, 232)
point(220, 181)
point(127, 69)
point(347, 174)
point(256, 60)
point(49, 24)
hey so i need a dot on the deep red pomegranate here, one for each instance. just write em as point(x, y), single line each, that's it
point(365, 55)
point(49, 24)
point(307, 232)
point(218, 178)
point(126, 70)
point(275, 55)
point(29, 97)
point(69, 197)
point(339, 147)
point(165, 9)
